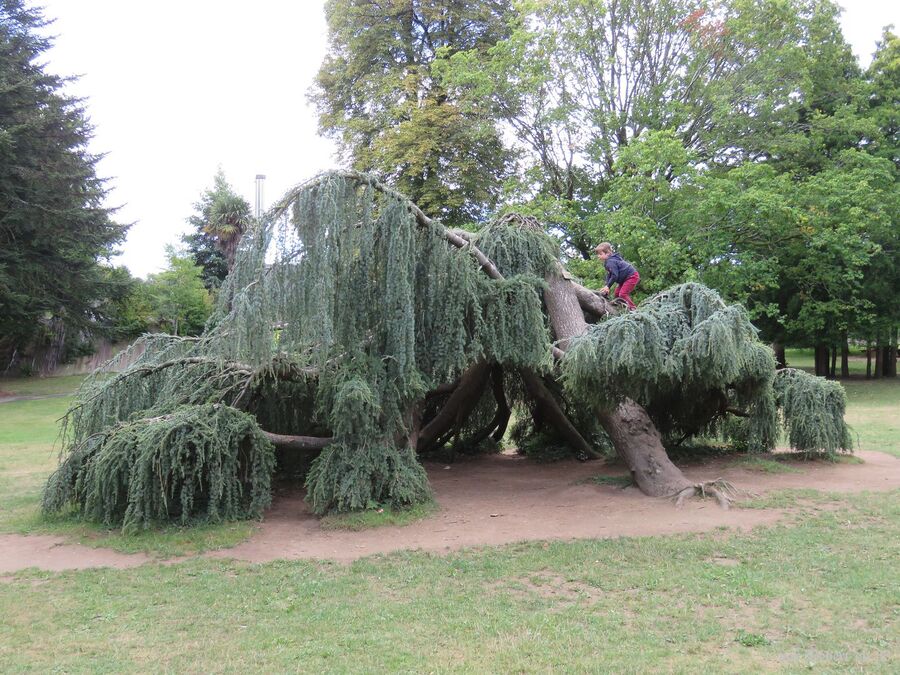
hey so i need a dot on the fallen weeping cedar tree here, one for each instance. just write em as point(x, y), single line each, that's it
point(359, 333)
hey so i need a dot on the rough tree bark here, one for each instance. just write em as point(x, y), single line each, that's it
point(458, 406)
point(630, 428)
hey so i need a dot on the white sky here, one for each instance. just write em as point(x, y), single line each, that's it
point(177, 88)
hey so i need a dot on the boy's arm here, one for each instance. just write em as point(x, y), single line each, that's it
point(610, 275)
point(610, 278)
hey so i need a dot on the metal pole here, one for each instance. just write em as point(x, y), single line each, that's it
point(260, 178)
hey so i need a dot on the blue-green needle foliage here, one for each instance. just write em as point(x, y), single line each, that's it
point(206, 462)
point(813, 410)
point(692, 360)
point(342, 310)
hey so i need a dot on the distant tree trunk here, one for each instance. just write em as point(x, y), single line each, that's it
point(879, 359)
point(822, 360)
point(890, 356)
point(868, 360)
point(833, 369)
point(845, 357)
point(780, 359)
point(890, 359)
point(633, 433)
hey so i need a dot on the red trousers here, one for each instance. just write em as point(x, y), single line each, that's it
point(625, 288)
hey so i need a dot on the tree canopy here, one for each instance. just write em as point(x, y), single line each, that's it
point(734, 143)
point(358, 331)
point(379, 96)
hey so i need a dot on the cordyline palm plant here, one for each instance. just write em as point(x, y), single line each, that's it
point(357, 332)
point(229, 219)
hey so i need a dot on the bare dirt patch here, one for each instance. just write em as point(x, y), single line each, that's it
point(18, 552)
point(498, 499)
point(501, 499)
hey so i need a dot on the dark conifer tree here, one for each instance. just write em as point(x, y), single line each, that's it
point(53, 227)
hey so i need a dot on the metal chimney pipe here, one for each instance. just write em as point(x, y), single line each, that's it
point(260, 179)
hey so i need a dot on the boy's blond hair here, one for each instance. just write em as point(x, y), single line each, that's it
point(605, 246)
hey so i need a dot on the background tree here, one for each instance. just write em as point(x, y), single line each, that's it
point(178, 299)
point(53, 227)
point(220, 220)
point(578, 82)
point(379, 96)
point(882, 278)
point(724, 142)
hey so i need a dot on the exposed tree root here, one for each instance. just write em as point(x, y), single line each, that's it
point(719, 489)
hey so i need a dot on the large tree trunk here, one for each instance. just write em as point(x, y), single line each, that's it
point(879, 359)
point(457, 408)
point(638, 443)
point(629, 426)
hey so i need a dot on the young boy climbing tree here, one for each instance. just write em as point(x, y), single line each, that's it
point(619, 272)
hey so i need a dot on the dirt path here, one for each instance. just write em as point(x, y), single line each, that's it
point(495, 500)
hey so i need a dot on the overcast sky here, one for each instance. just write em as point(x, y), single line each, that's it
point(176, 89)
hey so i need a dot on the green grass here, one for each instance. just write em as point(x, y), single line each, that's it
point(765, 465)
point(366, 520)
point(873, 413)
point(39, 386)
point(818, 594)
point(612, 481)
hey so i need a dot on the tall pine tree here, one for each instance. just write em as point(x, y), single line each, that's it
point(53, 227)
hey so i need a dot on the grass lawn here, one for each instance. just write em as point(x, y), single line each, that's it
point(40, 386)
point(817, 593)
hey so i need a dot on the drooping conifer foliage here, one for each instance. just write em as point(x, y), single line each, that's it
point(697, 366)
point(357, 331)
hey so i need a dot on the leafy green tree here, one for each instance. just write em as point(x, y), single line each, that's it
point(220, 220)
point(53, 227)
point(884, 96)
point(126, 308)
point(179, 299)
point(881, 283)
point(380, 97)
point(577, 82)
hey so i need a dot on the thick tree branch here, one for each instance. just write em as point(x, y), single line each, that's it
point(298, 443)
point(457, 408)
point(552, 413)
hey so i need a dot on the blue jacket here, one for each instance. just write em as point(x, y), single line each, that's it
point(617, 270)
